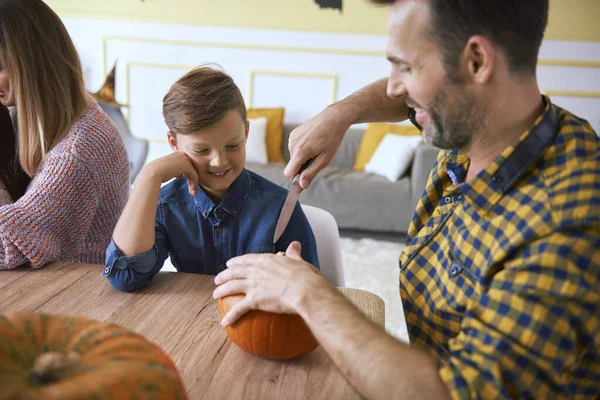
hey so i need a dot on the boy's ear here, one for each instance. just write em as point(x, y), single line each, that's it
point(247, 129)
point(172, 138)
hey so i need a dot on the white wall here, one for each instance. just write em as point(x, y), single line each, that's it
point(298, 70)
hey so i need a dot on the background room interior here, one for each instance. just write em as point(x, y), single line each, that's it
point(300, 56)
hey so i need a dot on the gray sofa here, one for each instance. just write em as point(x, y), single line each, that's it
point(359, 200)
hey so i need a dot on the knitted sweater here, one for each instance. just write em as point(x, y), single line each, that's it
point(73, 203)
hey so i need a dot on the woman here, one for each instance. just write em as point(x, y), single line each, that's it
point(69, 147)
point(13, 180)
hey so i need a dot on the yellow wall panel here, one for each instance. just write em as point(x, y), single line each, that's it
point(569, 19)
point(577, 20)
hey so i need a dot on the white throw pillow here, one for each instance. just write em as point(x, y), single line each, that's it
point(256, 146)
point(393, 156)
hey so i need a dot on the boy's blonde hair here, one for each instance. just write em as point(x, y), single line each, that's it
point(45, 77)
point(199, 99)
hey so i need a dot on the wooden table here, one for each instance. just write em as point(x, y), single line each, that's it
point(178, 313)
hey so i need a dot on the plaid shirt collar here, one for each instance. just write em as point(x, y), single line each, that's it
point(489, 185)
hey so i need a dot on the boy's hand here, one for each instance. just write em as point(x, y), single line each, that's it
point(174, 165)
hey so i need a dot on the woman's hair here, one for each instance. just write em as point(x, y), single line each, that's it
point(199, 99)
point(44, 71)
point(12, 176)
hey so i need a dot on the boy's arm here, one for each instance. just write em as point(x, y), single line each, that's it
point(129, 273)
point(299, 229)
point(140, 246)
point(134, 233)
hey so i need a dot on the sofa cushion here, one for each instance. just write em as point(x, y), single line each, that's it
point(374, 134)
point(274, 135)
point(256, 144)
point(393, 156)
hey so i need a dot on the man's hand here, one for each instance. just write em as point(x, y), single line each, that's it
point(271, 282)
point(175, 165)
point(376, 364)
point(319, 137)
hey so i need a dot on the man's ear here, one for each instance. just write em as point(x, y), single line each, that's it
point(247, 129)
point(172, 138)
point(478, 59)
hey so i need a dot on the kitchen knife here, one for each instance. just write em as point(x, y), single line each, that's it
point(290, 202)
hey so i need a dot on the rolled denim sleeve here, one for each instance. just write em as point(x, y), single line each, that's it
point(129, 273)
point(299, 229)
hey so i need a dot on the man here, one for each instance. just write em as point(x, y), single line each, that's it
point(500, 275)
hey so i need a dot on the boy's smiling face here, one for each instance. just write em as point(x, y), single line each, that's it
point(218, 152)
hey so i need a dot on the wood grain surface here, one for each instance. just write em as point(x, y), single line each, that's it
point(178, 313)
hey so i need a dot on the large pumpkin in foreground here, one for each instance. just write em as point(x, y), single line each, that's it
point(269, 335)
point(58, 357)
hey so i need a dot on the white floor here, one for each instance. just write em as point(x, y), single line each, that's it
point(371, 265)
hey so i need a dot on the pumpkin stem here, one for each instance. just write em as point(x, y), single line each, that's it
point(47, 366)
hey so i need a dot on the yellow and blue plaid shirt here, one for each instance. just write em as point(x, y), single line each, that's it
point(500, 275)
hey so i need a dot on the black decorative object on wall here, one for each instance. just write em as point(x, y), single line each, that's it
point(336, 4)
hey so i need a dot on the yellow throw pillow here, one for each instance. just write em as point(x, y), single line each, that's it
point(274, 135)
point(373, 135)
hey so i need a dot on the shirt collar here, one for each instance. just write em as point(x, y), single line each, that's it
point(490, 184)
point(234, 199)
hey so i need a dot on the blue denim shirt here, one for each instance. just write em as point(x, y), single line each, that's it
point(201, 236)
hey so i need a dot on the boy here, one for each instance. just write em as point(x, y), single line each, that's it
point(215, 209)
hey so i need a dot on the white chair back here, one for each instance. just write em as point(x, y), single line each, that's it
point(327, 236)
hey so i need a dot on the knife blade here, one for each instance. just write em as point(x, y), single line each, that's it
point(290, 202)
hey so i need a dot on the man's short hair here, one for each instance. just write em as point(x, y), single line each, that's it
point(200, 99)
point(517, 26)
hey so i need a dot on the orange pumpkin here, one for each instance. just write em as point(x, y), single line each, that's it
point(269, 335)
point(59, 357)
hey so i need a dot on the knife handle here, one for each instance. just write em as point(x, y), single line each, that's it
point(305, 165)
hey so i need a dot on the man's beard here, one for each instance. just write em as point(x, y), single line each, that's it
point(455, 118)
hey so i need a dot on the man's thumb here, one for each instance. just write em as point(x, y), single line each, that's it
point(294, 250)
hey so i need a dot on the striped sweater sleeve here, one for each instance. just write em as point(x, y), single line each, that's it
point(59, 205)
